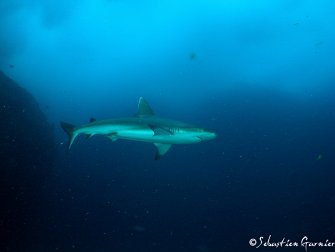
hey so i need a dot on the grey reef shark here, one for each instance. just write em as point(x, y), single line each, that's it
point(144, 127)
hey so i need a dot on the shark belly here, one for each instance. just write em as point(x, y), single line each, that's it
point(147, 135)
point(143, 135)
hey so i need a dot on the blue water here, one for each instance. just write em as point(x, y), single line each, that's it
point(258, 73)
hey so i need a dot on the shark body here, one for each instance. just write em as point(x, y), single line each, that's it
point(145, 127)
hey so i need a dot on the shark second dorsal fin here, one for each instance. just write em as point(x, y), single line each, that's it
point(144, 108)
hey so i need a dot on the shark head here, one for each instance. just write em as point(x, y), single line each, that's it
point(207, 135)
point(204, 135)
point(198, 134)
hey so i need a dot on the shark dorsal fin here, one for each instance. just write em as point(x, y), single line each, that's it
point(144, 108)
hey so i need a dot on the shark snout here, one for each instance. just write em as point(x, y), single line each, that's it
point(205, 136)
point(211, 135)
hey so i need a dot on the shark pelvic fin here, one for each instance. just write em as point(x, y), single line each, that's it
point(88, 136)
point(113, 137)
point(144, 108)
point(70, 131)
point(162, 149)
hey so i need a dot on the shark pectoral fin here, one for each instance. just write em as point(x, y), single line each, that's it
point(113, 137)
point(162, 149)
point(159, 131)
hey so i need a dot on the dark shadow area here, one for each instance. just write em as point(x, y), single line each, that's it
point(27, 154)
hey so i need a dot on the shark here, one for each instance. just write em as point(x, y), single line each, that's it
point(145, 126)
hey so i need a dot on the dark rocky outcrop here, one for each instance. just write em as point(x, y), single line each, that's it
point(27, 153)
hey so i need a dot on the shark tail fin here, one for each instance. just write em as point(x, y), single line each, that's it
point(70, 131)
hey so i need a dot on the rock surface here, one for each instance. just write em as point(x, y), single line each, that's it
point(27, 155)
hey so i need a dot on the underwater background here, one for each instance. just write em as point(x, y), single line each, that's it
point(259, 73)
